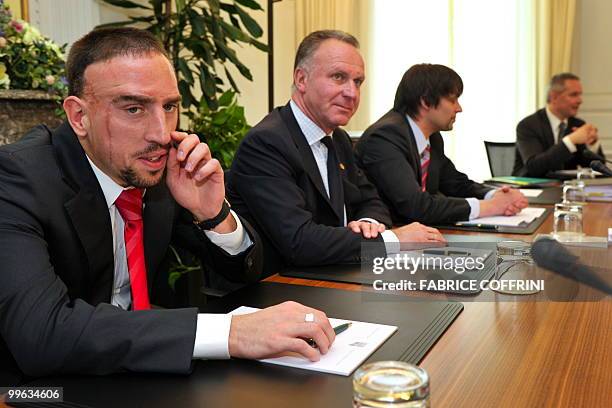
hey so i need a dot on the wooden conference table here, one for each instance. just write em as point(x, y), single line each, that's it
point(522, 353)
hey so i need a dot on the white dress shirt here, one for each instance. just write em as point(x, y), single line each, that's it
point(212, 330)
point(314, 135)
point(422, 143)
point(554, 125)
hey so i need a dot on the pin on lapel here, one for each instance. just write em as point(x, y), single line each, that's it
point(341, 166)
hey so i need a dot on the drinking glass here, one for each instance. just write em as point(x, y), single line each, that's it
point(392, 384)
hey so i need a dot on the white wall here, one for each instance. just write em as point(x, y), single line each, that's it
point(592, 62)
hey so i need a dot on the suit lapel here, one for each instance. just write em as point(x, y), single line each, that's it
point(546, 130)
point(308, 160)
point(158, 218)
point(409, 135)
point(87, 211)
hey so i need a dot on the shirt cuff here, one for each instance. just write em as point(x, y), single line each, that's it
point(212, 336)
point(490, 193)
point(392, 244)
point(594, 147)
point(234, 242)
point(370, 220)
point(474, 207)
point(570, 146)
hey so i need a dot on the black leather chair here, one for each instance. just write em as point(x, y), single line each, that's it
point(501, 157)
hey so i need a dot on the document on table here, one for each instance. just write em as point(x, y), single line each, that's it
point(526, 215)
point(351, 347)
point(531, 192)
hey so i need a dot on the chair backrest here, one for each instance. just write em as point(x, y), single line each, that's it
point(501, 157)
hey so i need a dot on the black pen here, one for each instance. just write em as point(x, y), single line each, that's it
point(492, 227)
point(338, 329)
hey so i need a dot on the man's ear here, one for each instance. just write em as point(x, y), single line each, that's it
point(300, 76)
point(424, 105)
point(76, 113)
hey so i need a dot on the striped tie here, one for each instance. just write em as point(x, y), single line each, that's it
point(129, 204)
point(425, 159)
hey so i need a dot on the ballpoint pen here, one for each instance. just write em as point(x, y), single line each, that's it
point(338, 329)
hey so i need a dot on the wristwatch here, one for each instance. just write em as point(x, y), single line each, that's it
point(216, 220)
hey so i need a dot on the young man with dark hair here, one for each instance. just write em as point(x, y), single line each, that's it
point(403, 155)
point(553, 138)
point(87, 214)
point(294, 176)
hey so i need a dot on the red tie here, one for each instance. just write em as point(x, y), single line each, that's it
point(129, 205)
point(425, 159)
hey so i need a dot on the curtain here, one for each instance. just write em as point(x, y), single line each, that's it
point(554, 30)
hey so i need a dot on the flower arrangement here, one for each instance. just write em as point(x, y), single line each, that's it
point(29, 60)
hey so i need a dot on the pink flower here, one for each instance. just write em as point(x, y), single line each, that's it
point(50, 79)
point(17, 26)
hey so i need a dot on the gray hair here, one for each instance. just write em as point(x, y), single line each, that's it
point(557, 83)
point(312, 41)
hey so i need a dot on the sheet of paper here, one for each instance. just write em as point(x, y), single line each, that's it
point(350, 349)
point(526, 215)
point(599, 193)
point(531, 192)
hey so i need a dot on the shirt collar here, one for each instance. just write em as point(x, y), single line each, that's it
point(419, 137)
point(311, 131)
point(110, 189)
point(554, 121)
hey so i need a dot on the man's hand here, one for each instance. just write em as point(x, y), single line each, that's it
point(417, 232)
point(279, 329)
point(365, 228)
point(195, 179)
point(585, 134)
point(505, 201)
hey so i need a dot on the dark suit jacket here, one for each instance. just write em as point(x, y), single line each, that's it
point(57, 265)
point(536, 151)
point(276, 185)
point(388, 154)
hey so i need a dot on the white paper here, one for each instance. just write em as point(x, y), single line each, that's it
point(526, 215)
point(350, 349)
point(531, 192)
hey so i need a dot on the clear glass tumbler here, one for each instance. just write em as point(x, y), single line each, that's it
point(574, 192)
point(567, 224)
point(392, 384)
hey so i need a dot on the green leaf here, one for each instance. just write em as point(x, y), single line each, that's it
point(259, 45)
point(186, 95)
point(206, 82)
point(184, 68)
point(126, 4)
point(235, 33)
point(250, 24)
point(180, 5)
point(197, 23)
point(252, 4)
point(226, 98)
point(231, 80)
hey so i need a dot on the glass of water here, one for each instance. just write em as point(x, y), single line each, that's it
point(515, 272)
point(392, 384)
point(567, 224)
point(574, 192)
point(585, 173)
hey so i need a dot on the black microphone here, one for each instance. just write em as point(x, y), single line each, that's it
point(600, 167)
point(594, 156)
point(550, 254)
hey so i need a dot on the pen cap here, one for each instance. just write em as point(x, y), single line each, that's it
point(392, 384)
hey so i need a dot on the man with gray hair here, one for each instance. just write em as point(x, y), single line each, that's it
point(294, 176)
point(553, 138)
